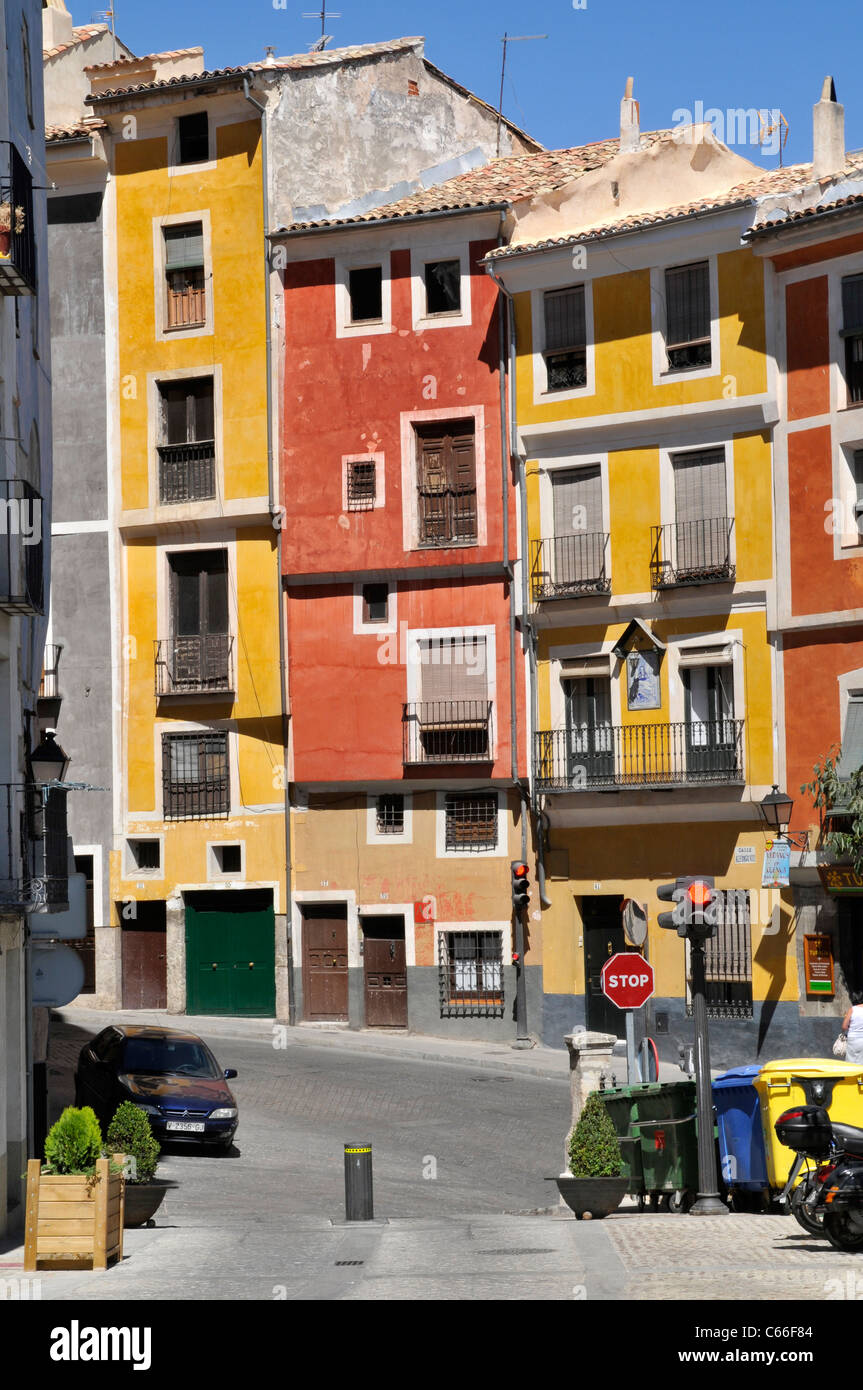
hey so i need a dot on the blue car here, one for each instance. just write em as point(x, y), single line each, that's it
point(172, 1075)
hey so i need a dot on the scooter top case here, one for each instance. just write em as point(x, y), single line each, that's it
point(806, 1129)
point(848, 1138)
point(844, 1187)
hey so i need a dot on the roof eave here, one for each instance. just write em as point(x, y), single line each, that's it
point(801, 223)
point(356, 224)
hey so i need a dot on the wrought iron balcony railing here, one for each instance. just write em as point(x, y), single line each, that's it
point(195, 665)
point(692, 552)
point(612, 757)
point(569, 566)
point(187, 472)
point(49, 686)
point(17, 229)
point(447, 731)
point(21, 548)
point(34, 864)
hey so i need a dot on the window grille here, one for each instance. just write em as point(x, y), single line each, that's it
point(362, 486)
point(470, 973)
point(728, 961)
point(687, 316)
point(471, 822)
point(195, 779)
point(390, 815)
point(852, 332)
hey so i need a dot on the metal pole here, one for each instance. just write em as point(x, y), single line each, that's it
point(632, 1076)
point(522, 1038)
point(359, 1198)
point(709, 1202)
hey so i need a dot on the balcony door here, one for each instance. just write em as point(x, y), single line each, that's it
point(589, 735)
point(711, 732)
point(700, 512)
point(199, 618)
point(187, 448)
point(446, 484)
point(579, 543)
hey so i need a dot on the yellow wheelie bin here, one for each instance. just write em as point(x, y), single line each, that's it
point(836, 1085)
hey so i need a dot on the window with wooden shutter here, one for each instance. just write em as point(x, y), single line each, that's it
point(451, 721)
point(852, 332)
point(184, 273)
point(471, 822)
point(578, 547)
point(362, 485)
point(187, 446)
point(446, 484)
point(565, 339)
point(702, 531)
point(197, 655)
point(195, 776)
point(687, 316)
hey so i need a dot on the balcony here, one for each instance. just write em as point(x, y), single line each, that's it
point(34, 864)
point(21, 560)
point(569, 566)
point(614, 757)
point(187, 472)
point(198, 665)
point(692, 552)
point(447, 731)
point(17, 229)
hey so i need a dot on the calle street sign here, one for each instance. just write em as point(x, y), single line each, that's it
point(627, 980)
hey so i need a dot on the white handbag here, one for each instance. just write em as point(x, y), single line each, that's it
point(839, 1047)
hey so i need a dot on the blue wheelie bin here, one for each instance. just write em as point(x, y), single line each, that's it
point(741, 1140)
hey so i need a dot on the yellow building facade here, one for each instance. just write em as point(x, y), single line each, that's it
point(644, 405)
point(198, 865)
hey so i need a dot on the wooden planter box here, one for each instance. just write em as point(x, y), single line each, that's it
point(73, 1218)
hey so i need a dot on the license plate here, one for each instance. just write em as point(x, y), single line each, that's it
point(187, 1126)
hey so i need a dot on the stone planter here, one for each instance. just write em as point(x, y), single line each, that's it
point(71, 1218)
point(596, 1197)
point(143, 1200)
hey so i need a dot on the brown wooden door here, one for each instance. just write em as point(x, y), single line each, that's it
point(386, 978)
point(145, 970)
point(325, 964)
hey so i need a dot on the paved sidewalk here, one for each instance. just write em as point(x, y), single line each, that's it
point(534, 1061)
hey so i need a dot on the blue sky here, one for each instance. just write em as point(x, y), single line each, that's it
point(565, 89)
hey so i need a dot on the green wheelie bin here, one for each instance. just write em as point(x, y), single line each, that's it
point(665, 1127)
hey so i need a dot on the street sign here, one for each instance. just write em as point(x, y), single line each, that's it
point(627, 980)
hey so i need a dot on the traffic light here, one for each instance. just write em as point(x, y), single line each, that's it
point(520, 885)
point(696, 905)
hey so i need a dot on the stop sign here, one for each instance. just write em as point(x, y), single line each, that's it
point(627, 980)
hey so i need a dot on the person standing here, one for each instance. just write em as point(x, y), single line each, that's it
point(853, 1026)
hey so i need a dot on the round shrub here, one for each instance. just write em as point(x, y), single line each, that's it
point(74, 1143)
point(593, 1148)
point(130, 1133)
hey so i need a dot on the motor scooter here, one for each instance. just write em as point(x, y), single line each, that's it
point(828, 1201)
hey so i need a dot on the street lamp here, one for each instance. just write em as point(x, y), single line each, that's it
point(49, 762)
point(776, 809)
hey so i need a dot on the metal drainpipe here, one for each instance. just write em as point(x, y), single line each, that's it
point(273, 504)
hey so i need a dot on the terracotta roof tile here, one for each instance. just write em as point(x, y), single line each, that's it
point(146, 58)
point(792, 217)
point(86, 126)
point(80, 34)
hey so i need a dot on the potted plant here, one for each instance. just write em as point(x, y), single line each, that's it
point(74, 1200)
point(6, 218)
point(594, 1185)
point(130, 1133)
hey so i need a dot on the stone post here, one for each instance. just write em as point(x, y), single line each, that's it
point(590, 1057)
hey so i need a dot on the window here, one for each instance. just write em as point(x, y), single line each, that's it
point(193, 138)
point(362, 485)
point(443, 287)
point(471, 823)
point(852, 332)
point(470, 967)
point(229, 858)
point(589, 731)
point(390, 815)
point(578, 548)
point(195, 782)
point(187, 451)
point(857, 496)
point(27, 69)
point(701, 542)
point(565, 339)
point(712, 732)
point(376, 603)
point(145, 856)
point(451, 722)
point(728, 961)
point(184, 273)
point(687, 316)
point(196, 657)
point(446, 484)
point(365, 292)
point(852, 736)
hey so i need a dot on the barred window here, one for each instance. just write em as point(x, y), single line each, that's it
point(687, 316)
point(195, 777)
point(852, 332)
point(471, 822)
point(390, 815)
point(362, 486)
point(470, 965)
point(728, 961)
point(565, 338)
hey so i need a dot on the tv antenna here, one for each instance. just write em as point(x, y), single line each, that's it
point(107, 17)
point(766, 130)
point(320, 44)
point(507, 38)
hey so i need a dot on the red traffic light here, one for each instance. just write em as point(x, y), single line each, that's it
point(519, 871)
point(700, 893)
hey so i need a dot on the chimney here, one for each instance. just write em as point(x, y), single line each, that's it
point(630, 132)
point(828, 133)
point(57, 24)
point(270, 60)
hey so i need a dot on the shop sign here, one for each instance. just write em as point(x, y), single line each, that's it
point(840, 878)
point(777, 864)
point(818, 960)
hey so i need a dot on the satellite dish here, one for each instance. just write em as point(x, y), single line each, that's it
point(634, 922)
point(58, 974)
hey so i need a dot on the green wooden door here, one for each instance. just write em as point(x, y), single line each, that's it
point(230, 954)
